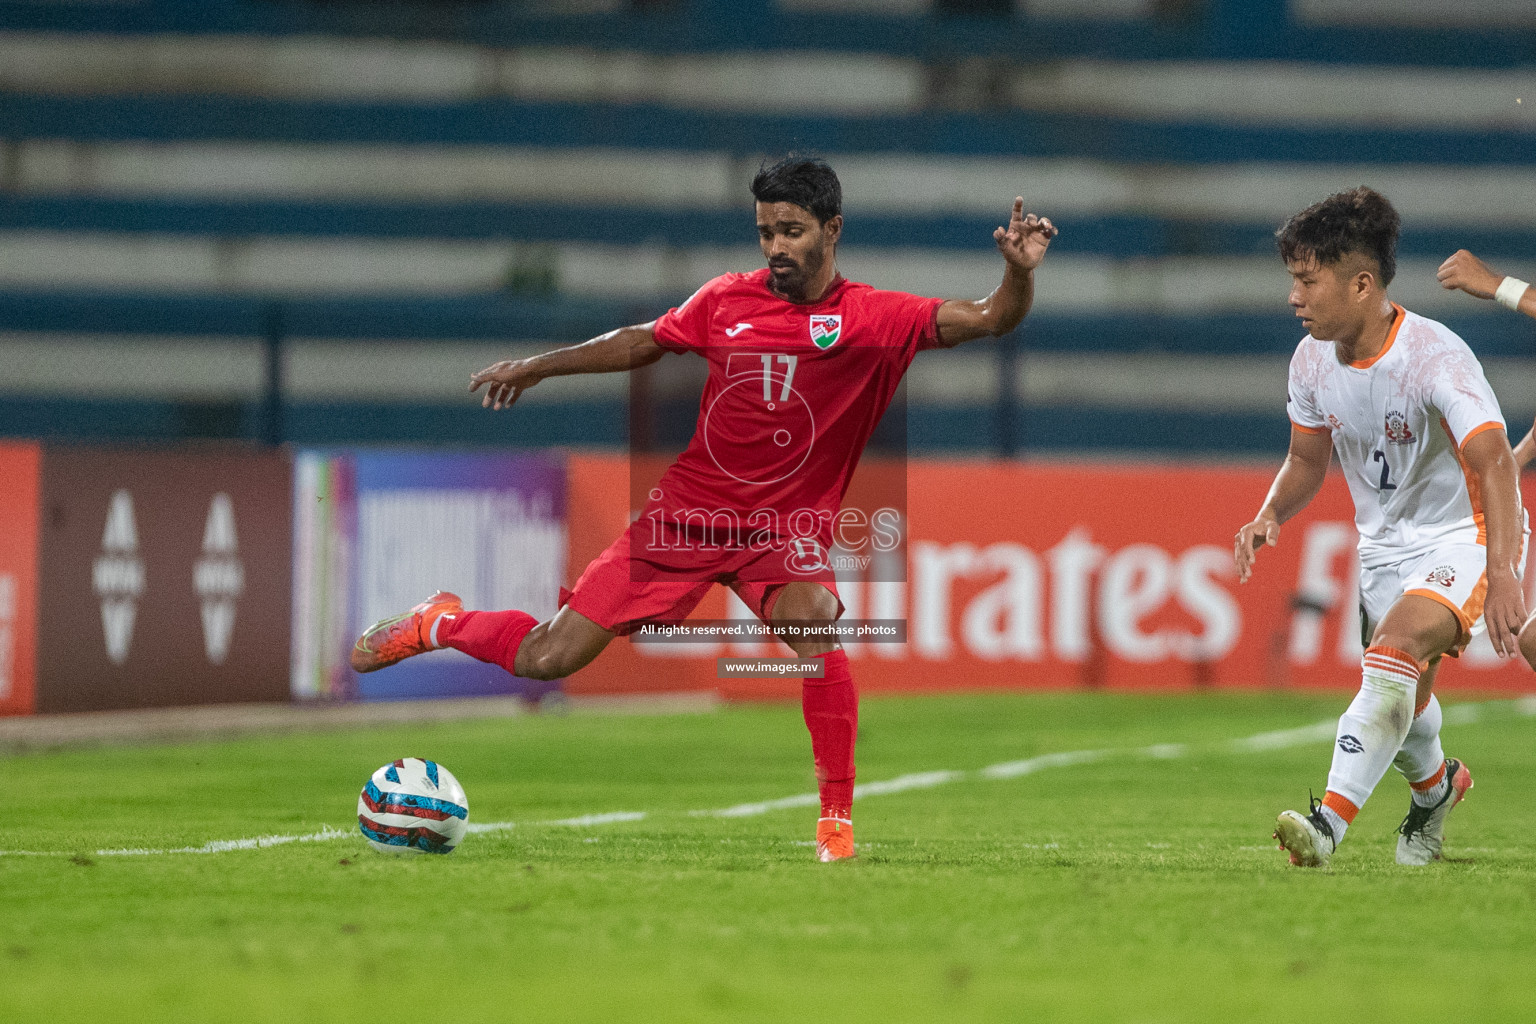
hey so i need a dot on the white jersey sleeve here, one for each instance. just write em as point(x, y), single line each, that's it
point(1461, 393)
point(1301, 392)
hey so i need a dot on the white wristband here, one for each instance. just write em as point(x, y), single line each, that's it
point(1510, 292)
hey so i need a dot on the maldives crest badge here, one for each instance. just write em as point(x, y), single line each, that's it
point(825, 330)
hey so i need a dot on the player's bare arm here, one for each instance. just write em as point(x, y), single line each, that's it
point(1022, 243)
point(1488, 457)
point(1300, 478)
point(1525, 451)
point(623, 349)
point(1470, 274)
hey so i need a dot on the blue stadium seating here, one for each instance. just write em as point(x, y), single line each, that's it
point(641, 126)
point(1228, 30)
point(1127, 236)
point(1232, 31)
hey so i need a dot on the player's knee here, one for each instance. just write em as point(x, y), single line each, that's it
point(1414, 643)
point(806, 602)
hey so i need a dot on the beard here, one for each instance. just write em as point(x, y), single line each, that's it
point(791, 279)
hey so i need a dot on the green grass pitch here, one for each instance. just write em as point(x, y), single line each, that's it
point(1129, 888)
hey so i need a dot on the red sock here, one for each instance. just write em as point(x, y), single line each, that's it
point(489, 636)
point(831, 706)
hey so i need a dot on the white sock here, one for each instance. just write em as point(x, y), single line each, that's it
point(1340, 826)
point(1371, 731)
point(1432, 795)
point(1422, 756)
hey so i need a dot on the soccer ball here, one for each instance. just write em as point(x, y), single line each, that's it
point(413, 806)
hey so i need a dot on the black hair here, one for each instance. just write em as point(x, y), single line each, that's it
point(806, 181)
point(1358, 221)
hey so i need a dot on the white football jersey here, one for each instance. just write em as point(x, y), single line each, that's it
point(1399, 421)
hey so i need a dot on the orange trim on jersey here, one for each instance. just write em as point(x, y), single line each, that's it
point(1490, 425)
point(1397, 321)
point(1309, 430)
point(1479, 594)
point(1474, 489)
point(1340, 806)
point(1432, 781)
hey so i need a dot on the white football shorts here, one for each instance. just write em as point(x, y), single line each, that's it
point(1455, 574)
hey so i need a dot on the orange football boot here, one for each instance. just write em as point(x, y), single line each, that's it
point(834, 839)
point(392, 640)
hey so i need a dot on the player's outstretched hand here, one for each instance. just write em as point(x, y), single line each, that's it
point(1504, 612)
point(1024, 241)
point(1470, 274)
point(1262, 532)
point(505, 381)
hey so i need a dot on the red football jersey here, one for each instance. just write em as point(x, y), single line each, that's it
point(793, 394)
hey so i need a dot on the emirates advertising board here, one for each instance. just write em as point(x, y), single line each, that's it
point(377, 531)
point(164, 579)
point(133, 578)
point(1026, 575)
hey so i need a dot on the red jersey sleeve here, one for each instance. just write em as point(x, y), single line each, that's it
point(909, 322)
point(686, 328)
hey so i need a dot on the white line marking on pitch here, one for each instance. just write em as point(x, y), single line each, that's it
point(1459, 714)
point(1286, 737)
point(225, 845)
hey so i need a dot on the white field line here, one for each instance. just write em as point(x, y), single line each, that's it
point(588, 820)
point(225, 845)
point(1459, 714)
point(900, 784)
point(1286, 737)
point(1028, 766)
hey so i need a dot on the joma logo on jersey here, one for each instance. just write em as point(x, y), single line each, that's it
point(1444, 575)
point(1397, 429)
point(825, 330)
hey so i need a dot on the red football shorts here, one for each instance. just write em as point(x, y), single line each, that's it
point(621, 592)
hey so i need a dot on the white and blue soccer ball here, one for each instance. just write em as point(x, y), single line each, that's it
point(413, 806)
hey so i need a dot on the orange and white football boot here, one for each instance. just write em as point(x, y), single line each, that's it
point(391, 640)
point(834, 840)
point(1308, 838)
point(1422, 832)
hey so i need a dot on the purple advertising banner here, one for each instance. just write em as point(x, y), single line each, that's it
point(376, 532)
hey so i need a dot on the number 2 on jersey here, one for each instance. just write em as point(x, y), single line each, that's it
point(789, 375)
point(1384, 485)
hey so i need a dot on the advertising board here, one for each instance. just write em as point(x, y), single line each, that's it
point(379, 531)
point(166, 577)
point(1040, 575)
point(19, 466)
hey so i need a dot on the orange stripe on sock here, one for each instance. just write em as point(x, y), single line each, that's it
point(1394, 660)
point(1432, 781)
point(1340, 806)
point(1422, 707)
